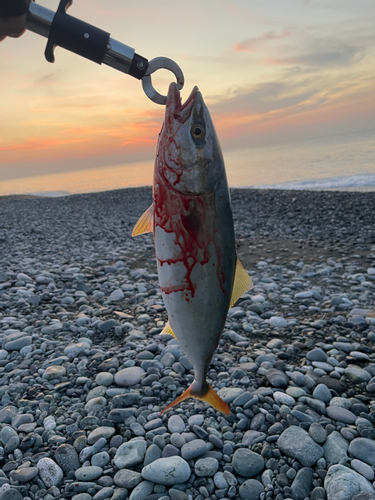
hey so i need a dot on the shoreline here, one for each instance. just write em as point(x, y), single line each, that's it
point(55, 194)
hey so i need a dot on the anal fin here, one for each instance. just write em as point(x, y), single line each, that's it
point(242, 283)
point(168, 329)
point(145, 222)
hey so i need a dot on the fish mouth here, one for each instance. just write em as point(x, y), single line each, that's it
point(175, 108)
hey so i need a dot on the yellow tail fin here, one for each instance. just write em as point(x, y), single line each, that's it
point(211, 397)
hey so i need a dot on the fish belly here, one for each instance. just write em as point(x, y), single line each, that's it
point(194, 296)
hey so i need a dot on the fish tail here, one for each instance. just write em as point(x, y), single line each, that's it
point(204, 393)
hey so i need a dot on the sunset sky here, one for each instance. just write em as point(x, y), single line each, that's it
point(270, 71)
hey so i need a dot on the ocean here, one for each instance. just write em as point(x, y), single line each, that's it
point(341, 162)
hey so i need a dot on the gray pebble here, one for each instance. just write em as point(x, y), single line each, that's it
point(296, 443)
point(247, 463)
point(167, 471)
point(130, 453)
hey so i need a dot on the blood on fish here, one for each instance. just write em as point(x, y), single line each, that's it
point(184, 215)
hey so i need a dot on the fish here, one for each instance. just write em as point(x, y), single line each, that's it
point(191, 218)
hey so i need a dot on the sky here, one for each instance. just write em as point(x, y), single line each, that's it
point(269, 70)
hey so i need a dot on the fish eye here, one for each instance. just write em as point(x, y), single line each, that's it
point(197, 131)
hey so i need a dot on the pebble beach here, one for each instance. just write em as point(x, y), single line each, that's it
point(85, 370)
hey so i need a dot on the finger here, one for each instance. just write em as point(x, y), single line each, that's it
point(13, 26)
point(16, 35)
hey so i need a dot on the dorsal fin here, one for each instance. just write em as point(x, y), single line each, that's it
point(145, 222)
point(242, 283)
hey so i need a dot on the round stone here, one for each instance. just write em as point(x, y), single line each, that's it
point(100, 459)
point(363, 449)
point(342, 483)
point(17, 344)
point(176, 424)
point(50, 473)
point(130, 454)
point(95, 404)
point(322, 393)
point(205, 467)
point(193, 449)
point(277, 378)
point(167, 471)
point(67, 458)
point(10, 494)
point(196, 420)
point(104, 378)
point(88, 473)
point(277, 322)
point(229, 394)
point(340, 414)
point(296, 443)
point(251, 490)
point(247, 463)
point(357, 375)
point(54, 372)
point(126, 478)
point(100, 432)
point(316, 354)
point(363, 469)
point(129, 376)
point(317, 432)
point(25, 474)
point(284, 399)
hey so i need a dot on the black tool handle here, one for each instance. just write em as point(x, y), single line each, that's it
point(75, 35)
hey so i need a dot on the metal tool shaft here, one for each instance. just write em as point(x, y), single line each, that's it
point(83, 39)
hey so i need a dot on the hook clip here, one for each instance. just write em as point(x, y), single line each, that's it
point(154, 65)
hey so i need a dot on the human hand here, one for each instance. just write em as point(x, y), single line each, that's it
point(12, 26)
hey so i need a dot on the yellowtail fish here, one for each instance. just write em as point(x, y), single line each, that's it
point(191, 218)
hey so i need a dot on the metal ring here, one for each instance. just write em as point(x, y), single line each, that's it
point(154, 65)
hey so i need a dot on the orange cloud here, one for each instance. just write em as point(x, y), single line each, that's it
point(256, 43)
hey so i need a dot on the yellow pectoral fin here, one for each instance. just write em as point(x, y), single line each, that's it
point(168, 329)
point(242, 283)
point(145, 222)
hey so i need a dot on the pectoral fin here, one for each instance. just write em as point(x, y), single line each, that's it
point(145, 222)
point(242, 283)
point(168, 329)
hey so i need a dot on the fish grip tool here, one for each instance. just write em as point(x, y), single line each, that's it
point(94, 44)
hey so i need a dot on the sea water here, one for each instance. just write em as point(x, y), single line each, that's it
point(345, 162)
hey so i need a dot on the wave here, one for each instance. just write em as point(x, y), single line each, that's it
point(51, 194)
point(351, 182)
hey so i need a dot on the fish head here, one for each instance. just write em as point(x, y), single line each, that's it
point(189, 154)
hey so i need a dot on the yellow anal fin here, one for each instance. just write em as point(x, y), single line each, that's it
point(145, 222)
point(211, 397)
point(168, 329)
point(242, 283)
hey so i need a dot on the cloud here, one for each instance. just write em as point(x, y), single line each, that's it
point(255, 44)
point(324, 54)
point(263, 98)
